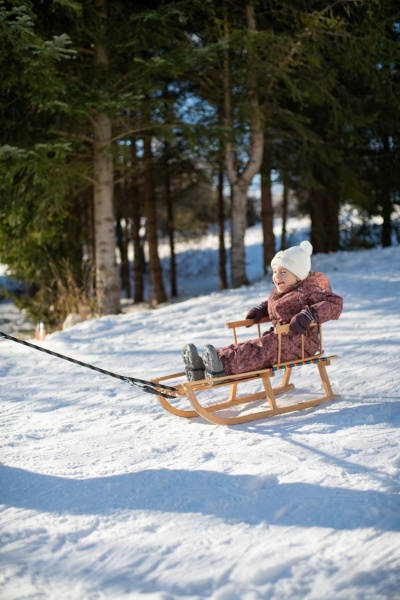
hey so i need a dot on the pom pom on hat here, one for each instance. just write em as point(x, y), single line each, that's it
point(306, 246)
point(296, 259)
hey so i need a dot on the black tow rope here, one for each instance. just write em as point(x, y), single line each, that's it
point(145, 386)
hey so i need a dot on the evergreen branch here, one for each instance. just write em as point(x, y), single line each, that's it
point(129, 132)
point(81, 137)
point(8, 34)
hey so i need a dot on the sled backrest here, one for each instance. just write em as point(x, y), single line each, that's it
point(279, 330)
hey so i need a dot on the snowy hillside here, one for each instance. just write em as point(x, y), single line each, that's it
point(104, 495)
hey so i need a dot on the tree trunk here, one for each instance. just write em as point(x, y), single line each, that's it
point(138, 261)
point(223, 280)
point(123, 250)
point(159, 294)
point(317, 221)
point(107, 278)
point(170, 226)
point(238, 231)
point(139, 264)
point(285, 202)
point(267, 216)
point(108, 288)
point(91, 250)
point(332, 219)
point(386, 231)
point(240, 182)
point(386, 201)
point(324, 212)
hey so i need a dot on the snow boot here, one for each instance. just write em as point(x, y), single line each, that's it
point(194, 365)
point(212, 362)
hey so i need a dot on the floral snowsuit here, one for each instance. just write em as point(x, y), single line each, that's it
point(315, 293)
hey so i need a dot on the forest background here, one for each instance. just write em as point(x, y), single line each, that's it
point(124, 123)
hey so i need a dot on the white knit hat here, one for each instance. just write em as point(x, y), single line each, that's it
point(296, 259)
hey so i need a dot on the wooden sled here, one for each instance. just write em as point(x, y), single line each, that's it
point(192, 389)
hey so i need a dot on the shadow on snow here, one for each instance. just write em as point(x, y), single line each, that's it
point(235, 498)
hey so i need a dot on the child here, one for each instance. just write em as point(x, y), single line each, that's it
point(299, 298)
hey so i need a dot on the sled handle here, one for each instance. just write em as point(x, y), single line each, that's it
point(246, 323)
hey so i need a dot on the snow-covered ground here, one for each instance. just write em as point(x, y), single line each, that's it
point(104, 495)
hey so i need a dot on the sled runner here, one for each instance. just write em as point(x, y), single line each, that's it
point(191, 390)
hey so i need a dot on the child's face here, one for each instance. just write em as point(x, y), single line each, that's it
point(283, 278)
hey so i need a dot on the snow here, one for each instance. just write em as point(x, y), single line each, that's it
point(105, 495)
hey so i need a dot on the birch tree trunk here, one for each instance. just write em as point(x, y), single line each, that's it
point(240, 182)
point(108, 289)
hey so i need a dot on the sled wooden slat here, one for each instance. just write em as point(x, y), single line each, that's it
point(191, 390)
